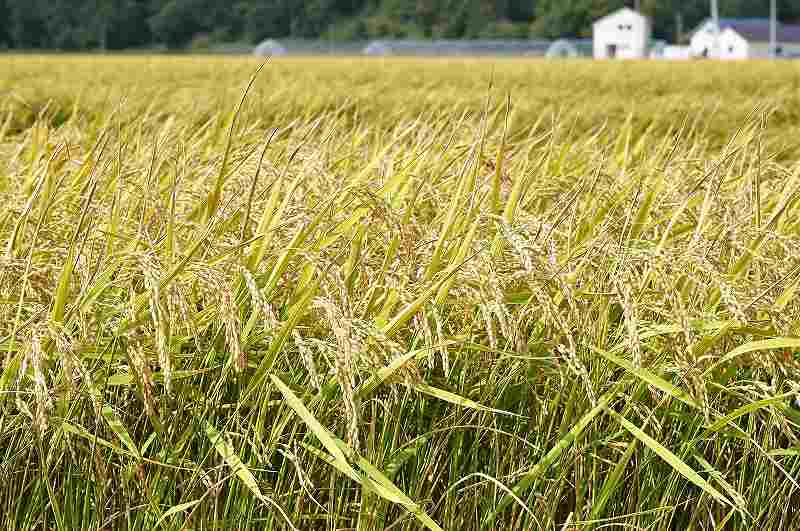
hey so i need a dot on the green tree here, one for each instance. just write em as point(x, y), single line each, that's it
point(556, 18)
point(126, 24)
point(176, 22)
point(265, 19)
point(26, 24)
point(673, 20)
point(5, 16)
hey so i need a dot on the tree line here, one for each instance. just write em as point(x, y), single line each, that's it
point(175, 24)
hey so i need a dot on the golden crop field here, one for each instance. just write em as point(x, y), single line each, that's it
point(372, 294)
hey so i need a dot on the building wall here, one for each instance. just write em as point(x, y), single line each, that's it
point(731, 45)
point(622, 35)
point(702, 43)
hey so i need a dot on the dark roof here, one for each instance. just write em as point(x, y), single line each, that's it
point(789, 33)
point(757, 29)
point(743, 20)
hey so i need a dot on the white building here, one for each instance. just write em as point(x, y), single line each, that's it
point(743, 38)
point(727, 44)
point(624, 34)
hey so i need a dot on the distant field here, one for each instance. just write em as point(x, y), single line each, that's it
point(398, 294)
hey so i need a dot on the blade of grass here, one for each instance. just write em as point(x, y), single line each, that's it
point(549, 458)
point(754, 346)
point(339, 453)
point(670, 458)
point(650, 378)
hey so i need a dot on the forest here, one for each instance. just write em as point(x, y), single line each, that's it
point(180, 24)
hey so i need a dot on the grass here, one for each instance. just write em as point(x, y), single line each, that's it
point(395, 294)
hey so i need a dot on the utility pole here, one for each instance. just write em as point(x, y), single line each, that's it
point(773, 29)
point(637, 5)
point(715, 19)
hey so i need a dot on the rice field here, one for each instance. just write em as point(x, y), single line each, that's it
point(352, 294)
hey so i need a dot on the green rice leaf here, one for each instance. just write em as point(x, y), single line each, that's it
point(727, 487)
point(225, 449)
point(458, 400)
point(116, 425)
point(670, 458)
point(177, 509)
point(376, 480)
point(746, 409)
point(755, 346)
point(612, 481)
point(324, 436)
point(296, 312)
point(80, 431)
point(332, 461)
point(62, 291)
point(125, 378)
point(650, 378)
point(400, 458)
point(785, 452)
point(549, 458)
point(376, 380)
point(384, 487)
point(414, 306)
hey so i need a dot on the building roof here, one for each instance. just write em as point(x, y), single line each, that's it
point(789, 33)
point(618, 12)
point(757, 29)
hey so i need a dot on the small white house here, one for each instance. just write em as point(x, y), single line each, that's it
point(624, 34)
point(743, 38)
point(728, 45)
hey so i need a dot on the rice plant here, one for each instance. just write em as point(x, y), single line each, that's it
point(396, 294)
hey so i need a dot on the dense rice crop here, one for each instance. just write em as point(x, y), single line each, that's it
point(390, 294)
